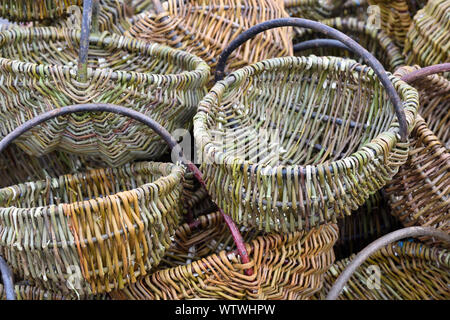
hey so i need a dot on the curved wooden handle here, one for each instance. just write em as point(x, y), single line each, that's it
point(329, 31)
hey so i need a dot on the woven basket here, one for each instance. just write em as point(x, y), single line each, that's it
point(374, 40)
point(205, 28)
point(420, 192)
point(365, 225)
point(323, 9)
point(285, 267)
point(434, 94)
point(161, 82)
point(428, 40)
point(109, 225)
point(34, 10)
point(409, 271)
point(327, 136)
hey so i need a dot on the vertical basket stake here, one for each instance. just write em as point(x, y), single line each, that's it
point(7, 278)
point(156, 127)
point(90, 16)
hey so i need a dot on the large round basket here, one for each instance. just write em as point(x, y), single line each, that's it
point(284, 267)
point(290, 143)
point(91, 232)
point(158, 81)
point(375, 40)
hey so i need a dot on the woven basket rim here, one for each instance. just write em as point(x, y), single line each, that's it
point(172, 171)
point(408, 94)
point(200, 69)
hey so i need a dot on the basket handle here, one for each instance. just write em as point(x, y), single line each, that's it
point(7, 277)
point(90, 17)
point(329, 31)
point(364, 254)
point(155, 126)
point(427, 71)
point(319, 43)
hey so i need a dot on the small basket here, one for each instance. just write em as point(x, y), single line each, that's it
point(284, 267)
point(374, 40)
point(156, 80)
point(420, 192)
point(205, 27)
point(428, 40)
point(35, 10)
point(408, 270)
point(109, 225)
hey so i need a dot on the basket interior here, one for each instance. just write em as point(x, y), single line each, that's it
point(92, 184)
point(50, 46)
point(293, 111)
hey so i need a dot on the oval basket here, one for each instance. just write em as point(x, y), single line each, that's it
point(376, 41)
point(290, 143)
point(408, 270)
point(204, 28)
point(158, 81)
point(284, 266)
point(91, 232)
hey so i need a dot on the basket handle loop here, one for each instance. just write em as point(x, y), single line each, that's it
point(7, 278)
point(333, 33)
point(89, 19)
point(427, 71)
point(155, 126)
point(364, 254)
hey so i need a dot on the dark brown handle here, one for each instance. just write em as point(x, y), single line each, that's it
point(319, 43)
point(8, 282)
point(328, 31)
point(155, 126)
point(427, 71)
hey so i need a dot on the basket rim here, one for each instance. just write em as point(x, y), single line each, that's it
point(173, 171)
point(408, 94)
point(200, 69)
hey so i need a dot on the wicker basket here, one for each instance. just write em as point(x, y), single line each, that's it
point(374, 40)
point(112, 225)
point(409, 271)
point(156, 80)
point(285, 266)
point(365, 225)
point(428, 40)
point(420, 193)
point(205, 28)
point(35, 10)
point(323, 9)
point(434, 94)
point(328, 140)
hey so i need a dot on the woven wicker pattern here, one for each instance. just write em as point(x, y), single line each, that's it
point(409, 271)
point(428, 40)
point(364, 226)
point(327, 140)
point(285, 267)
point(32, 10)
point(396, 18)
point(205, 236)
point(112, 225)
point(434, 93)
point(39, 68)
point(204, 28)
point(420, 192)
point(312, 9)
point(376, 41)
